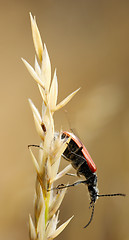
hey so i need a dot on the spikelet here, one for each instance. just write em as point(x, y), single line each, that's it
point(51, 148)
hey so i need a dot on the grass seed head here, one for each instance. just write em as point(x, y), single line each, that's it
point(51, 148)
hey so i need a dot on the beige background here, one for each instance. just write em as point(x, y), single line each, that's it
point(88, 43)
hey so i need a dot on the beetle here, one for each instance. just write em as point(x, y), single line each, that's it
point(82, 162)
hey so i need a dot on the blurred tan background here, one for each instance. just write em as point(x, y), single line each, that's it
point(88, 43)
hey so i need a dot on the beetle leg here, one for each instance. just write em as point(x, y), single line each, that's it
point(78, 149)
point(71, 174)
point(70, 185)
point(34, 145)
point(61, 186)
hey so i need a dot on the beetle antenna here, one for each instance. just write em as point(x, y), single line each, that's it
point(92, 213)
point(111, 195)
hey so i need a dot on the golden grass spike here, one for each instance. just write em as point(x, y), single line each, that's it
point(47, 202)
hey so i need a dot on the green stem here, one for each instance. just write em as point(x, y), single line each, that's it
point(47, 207)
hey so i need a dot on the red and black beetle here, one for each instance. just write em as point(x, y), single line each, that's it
point(82, 162)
